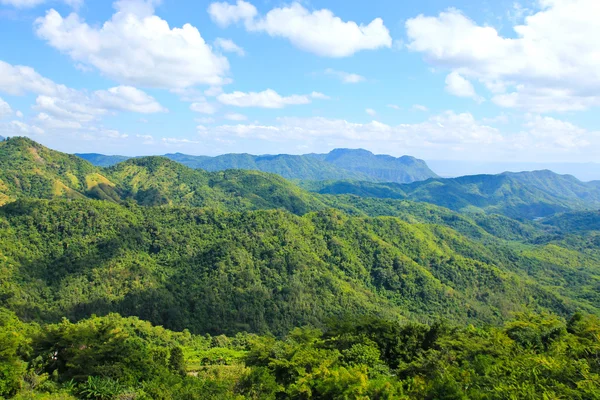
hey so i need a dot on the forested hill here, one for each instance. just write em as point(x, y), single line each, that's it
point(30, 170)
point(269, 271)
point(526, 195)
point(338, 164)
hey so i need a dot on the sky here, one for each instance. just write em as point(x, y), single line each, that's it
point(436, 79)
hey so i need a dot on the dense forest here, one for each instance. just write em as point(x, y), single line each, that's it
point(338, 164)
point(153, 280)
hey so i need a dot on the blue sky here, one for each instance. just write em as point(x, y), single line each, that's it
point(439, 79)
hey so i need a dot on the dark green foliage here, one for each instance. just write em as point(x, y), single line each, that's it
point(525, 195)
point(339, 164)
point(101, 160)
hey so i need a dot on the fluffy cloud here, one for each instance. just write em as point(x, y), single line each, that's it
point(371, 112)
point(136, 47)
point(203, 107)
point(128, 98)
point(18, 128)
point(229, 46)
point(319, 32)
point(345, 77)
point(225, 14)
point(449, 131)
point(19, 79)
point(447, 128)
point(5, 109)
point(419, 107)
point(457, 85)
point(554, 58)
point(265, 99)
point(319, 96)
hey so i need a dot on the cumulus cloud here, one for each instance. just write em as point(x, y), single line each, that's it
point(136, 47)
point(265, 99)
point(457, 85)
point(227, 45)
point(225, 14)
point(345, 77)
point(18, 128)
point(371, 112)
point(461, 133)
point(553, 60)
point(319, 96)
point(319, 32)
point(5, 109)
point(203, 107)
point(128, 98)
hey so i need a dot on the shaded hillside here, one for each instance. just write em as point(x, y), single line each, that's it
point(518, 195)
point(266, 271)
point(338, 164)
point(100, 160)
point(30, 170)
point(381, 168)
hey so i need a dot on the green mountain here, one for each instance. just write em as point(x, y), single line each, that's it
point(519, 195)
point(30, 170)
point(382, 168)
point(269, 271)
point(100, 160)
point(288, 166)
point(339, 164)
point(370, 279)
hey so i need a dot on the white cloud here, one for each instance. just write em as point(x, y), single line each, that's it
point(345, 77)
point(5, 109)
point(550, 133)
point(265, 99)
point(19, 114)
point(419, 107)
point(235, 117)
point(19, 79)
point(460, 133)
point(371, 112)
point(225, 14)
point(442, 130)
point(136, 47)
point(203, 107)
point(18, 128)
point(229, 46)
point(128, 98)
point(457, 85)
point(394, 106)
point(554, 59)
point(319, 32)
point(50, 122)
point(319, 96)
point(213, 91)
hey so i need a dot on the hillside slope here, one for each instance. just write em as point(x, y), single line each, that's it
point(518, 195)
point(338, 164)
point(267, 271)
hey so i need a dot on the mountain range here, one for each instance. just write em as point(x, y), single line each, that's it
point(518, 195)
point(338, 164)
point(362, 286)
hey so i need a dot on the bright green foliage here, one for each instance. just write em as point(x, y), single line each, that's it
point(267, 271)
point(339, 164)
point(526, 195)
